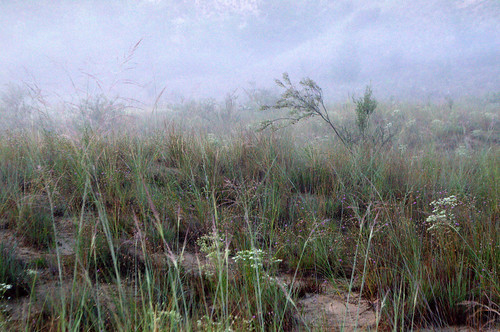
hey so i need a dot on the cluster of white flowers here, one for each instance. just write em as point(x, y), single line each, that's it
point(253, 257)
point(172, 316)
point(4, 288)
point(437, 125)
point(212, 139)
point(462, 151)
point(442, 214)
point(240, 323)
point(3, 319)
point(32, 273)
point(210, 244)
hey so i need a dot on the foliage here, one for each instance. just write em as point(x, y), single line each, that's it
point(365, 106)
point(307, 101)
point(36, 224)
point(302, 103)
point(442, 214)
point(3, 289)
point(327, 213)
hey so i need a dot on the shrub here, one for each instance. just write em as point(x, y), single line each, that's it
point(365, 106)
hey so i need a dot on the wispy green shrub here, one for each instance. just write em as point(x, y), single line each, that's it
point(365, 106)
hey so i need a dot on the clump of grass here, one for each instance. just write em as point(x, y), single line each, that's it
point(95, 257)
point(79, 307)
point(13, 273)
point(35, 223)
point(263, 293)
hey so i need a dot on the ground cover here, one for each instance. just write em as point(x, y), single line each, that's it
point(167, 225)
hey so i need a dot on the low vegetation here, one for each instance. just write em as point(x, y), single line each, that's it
point(168, 221)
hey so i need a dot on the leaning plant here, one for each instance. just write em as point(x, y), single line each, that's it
point(302, 102)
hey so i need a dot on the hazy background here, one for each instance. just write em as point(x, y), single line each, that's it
point(208, 48)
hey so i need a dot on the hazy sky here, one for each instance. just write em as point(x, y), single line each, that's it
point(207, 48)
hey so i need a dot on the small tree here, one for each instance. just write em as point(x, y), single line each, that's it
point(302, 103)
point(365, 106)
point(307, 101)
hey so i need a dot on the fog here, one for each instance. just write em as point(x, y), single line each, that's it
point(208, 48)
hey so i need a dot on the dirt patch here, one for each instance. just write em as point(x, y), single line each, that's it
point(328, 309)
point(23, 252)
point(322, 306)
point(65, 242)
point(66, 237)
point(333, 312)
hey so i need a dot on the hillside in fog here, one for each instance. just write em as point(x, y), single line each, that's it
point(210, 47)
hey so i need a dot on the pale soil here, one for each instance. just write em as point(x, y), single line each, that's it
point(330, 311)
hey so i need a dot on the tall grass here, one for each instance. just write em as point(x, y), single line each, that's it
point(254, 206)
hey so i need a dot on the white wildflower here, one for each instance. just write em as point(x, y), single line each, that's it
point(442, 215)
